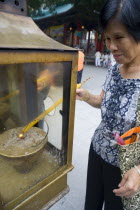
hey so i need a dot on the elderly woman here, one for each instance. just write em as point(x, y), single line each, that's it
point(120, 20)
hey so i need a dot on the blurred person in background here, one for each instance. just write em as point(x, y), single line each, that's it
point(102, 59)
point(106, 60)
point(112, 60)
point(80, 65)
point(97, 58)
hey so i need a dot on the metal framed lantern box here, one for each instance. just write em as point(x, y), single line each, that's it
point(37, 105)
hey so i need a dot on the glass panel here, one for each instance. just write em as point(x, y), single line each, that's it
point(33, 141)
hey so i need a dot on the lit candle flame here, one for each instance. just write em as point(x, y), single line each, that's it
point(21, 135)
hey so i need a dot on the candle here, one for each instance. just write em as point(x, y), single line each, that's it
point(14, 93)
point(26, 128)
point(31, 124)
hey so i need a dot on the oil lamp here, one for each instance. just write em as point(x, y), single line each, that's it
point(37, 103)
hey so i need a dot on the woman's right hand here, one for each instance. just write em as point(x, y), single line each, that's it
point(93, 100)
point(80, 94)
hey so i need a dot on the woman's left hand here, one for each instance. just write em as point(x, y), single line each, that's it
point(129, 185)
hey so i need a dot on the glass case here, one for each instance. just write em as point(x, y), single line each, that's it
point(26, 91)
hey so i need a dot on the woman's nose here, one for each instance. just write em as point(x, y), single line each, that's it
point(113, 46)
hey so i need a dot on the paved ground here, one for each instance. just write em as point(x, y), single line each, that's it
point(87, 119)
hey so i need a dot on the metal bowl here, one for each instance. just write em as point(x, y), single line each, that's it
point(23, 153)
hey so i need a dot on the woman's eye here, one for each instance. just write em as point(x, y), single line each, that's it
point(119, 37)
point(106, 39)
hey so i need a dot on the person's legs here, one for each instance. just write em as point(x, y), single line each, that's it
point(96, 62)
point(94, 192)
point(79, 76)
point(112, 177)
point(99, 62)
point(103, 63)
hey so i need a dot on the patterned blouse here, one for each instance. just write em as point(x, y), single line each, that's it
point(118, 112)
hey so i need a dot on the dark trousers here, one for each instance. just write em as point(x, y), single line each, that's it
point(102, 178)
point(79, 76)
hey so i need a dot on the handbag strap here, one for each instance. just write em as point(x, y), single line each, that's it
point(138, 112)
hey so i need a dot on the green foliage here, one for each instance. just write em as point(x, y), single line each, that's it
point(35, 6)
point(85, 8)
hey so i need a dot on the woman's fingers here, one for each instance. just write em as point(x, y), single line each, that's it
point(80, 93)
point(129, 185)
point(123, 181)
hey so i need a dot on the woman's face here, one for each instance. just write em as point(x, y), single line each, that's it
point(121, 44)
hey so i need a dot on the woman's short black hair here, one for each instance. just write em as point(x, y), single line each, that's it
point(126, 12)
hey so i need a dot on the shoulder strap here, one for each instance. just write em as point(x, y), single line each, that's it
point(138, 112)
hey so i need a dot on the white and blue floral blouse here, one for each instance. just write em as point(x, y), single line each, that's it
point(118, 111)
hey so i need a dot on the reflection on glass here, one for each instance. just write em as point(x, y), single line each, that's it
point(26, 91)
